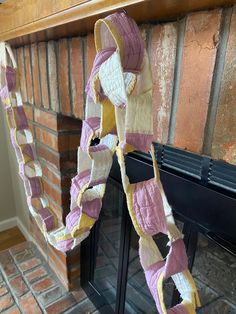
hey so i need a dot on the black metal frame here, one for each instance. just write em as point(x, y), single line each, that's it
point(202, 193)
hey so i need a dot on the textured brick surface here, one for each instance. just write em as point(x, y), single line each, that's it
point(38, 290)
point(29, 305)
point(61, 198)
point(77, 84)
point(28, 112)
point(49, 155)
point(28, 74)
point(60, 268)
point(20, 248)
point(3, 289)
point(5, 302)
point(61, 305)
point(18, 286)
point(42, 52)
point(47, 138)
point(21, 69)
point(90, 54)
point(56, 208)
point(200, 44)
point(79, 295)
point(35, 73)
point(45, 118)
point(43, 284)
point(224, 139)
point(31, 263)
point(52, 74)
point(58, 142)
point(36, 274)
point(38, 236)
point(51, 295)
point(13, 310)
point(85, 306)
point(52, 175)
point(7, 263)
point(162, 60)
point(63, 75)
point(24, 255)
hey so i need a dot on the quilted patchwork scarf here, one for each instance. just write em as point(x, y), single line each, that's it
point(119, 114)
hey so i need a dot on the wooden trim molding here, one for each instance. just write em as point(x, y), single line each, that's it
point(27, 21)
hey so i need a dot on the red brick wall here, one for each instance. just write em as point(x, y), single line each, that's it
point(52, 91)
point(194, 74)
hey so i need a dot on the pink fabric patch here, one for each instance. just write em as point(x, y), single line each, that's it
point(152, 275)
point(78, 182)
point(97, 148)
point(132, 41)
point(141, 142)
point(11, 78)
point(64, 245)
point(148, 207)
point(21, 119)
point(177, 260)
point(178, 309)
point(72, 218)
point(35, 186)
point(92, 208)
point(94, 122)
point(47, 217)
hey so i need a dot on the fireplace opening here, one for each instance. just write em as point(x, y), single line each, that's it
point(111, 272)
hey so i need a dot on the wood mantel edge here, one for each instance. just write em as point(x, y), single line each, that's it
point(81, 11)
point(79, 19)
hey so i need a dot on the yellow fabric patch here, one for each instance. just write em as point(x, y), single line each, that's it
point(108, 122)
point(95, 88)
point(189, 307)
point(66, 236)
point(6, 101)
point(86, 222)
point(128, 149)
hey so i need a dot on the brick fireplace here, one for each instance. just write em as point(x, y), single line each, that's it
point(193, 66)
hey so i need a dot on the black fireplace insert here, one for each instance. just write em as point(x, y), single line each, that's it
point(202, 193)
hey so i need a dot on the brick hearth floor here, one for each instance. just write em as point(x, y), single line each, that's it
point(28, 285)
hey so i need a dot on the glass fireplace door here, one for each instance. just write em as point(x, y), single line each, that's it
point(107, 245)
point(103, 252)
point(111, 272)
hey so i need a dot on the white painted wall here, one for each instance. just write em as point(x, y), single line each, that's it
point(12, 196)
